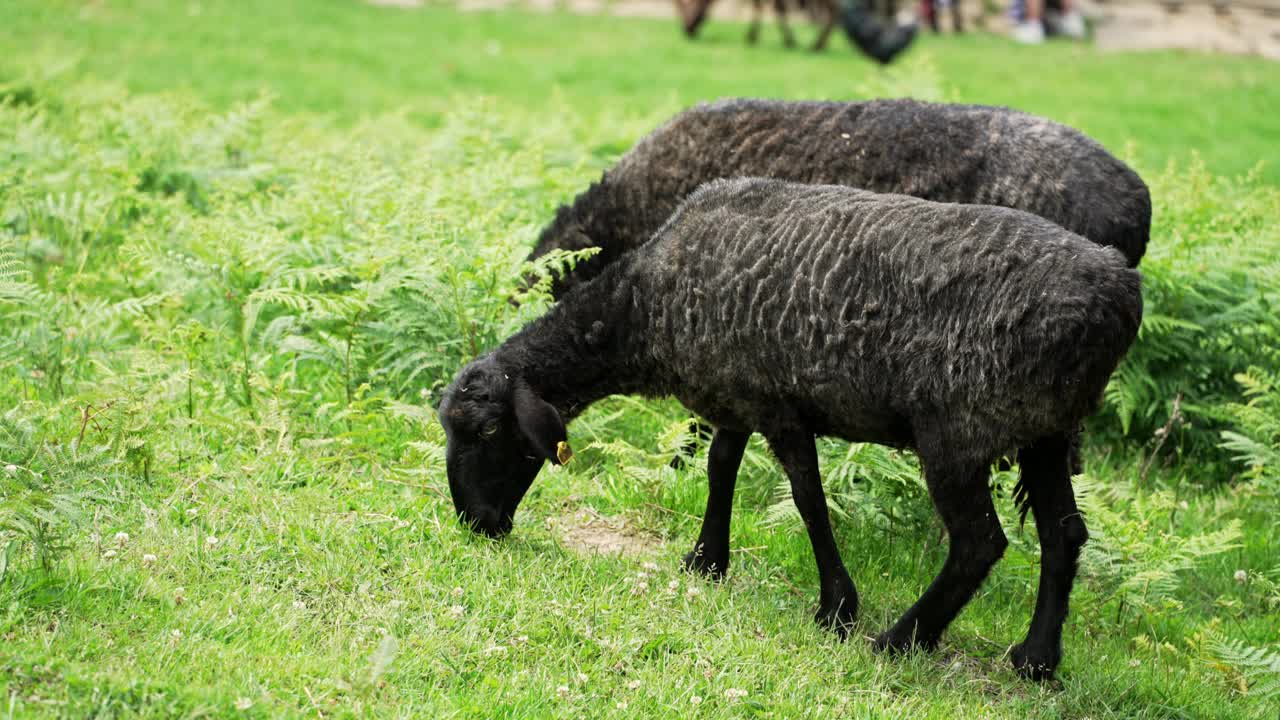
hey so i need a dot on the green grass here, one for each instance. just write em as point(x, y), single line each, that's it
point(351, 61)
point(241, 251)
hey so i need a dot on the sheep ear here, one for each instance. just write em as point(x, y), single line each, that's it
point(541, 424)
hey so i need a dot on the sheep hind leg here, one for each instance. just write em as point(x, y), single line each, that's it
point(1046, 488)
point(837, 597)
point(710, 554)
point(977, 542)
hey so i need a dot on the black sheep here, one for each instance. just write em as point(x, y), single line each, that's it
point(792, 310)
point(946, 153)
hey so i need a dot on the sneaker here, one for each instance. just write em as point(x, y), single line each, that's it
point(1072, 25)
point(1028, 33)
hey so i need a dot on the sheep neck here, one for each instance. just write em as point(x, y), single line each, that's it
point(589, 346)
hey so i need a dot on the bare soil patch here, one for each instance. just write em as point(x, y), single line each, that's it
point(586, 531)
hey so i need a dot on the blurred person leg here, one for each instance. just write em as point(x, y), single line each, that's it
point(929, 14)
point(1030, 29)
point(1064, 18)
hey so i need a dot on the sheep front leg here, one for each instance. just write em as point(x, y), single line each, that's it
point(977, 542)
point(837, 597)
point(1046, 487)
point(710, 555)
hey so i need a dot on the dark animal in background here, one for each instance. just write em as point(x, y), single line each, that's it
point(942, 152)
point(794, 310)
point(886, 9)
point(881, 41)
point(949, 153)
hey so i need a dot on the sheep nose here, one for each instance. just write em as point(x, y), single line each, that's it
point(487, 522)
point(497, 532)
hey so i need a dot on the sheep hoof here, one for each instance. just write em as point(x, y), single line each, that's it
point(700, 563)
point(1034, 663)
point(893, 642)
point(838, 617)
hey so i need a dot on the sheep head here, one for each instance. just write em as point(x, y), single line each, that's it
point(499, 432)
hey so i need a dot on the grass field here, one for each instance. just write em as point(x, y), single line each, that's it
point(244, 245)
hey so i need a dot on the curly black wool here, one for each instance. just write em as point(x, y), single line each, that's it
point(947, 153)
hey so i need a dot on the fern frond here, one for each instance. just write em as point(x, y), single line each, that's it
point(1260, 667)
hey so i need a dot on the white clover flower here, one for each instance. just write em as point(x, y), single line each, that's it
point(109, 554)
point(457, 592)
point(650, 566)
point(633, 685)
point(148, 559)
point(211, 540)
point(243, 704)
point(299, 605)
point(562, 691)
point(457, 611)
point(1241, 576)
point(735, 693)
point(640, 588)
point(582, 679)
point(695, 700)
point(11, 469)
point(122, 538)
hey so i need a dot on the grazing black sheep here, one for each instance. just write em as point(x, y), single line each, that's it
point(793, 310)
point(947, 153)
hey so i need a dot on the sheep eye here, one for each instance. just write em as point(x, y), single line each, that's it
point(489, 430)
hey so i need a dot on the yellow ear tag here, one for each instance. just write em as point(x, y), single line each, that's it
point(563, 452)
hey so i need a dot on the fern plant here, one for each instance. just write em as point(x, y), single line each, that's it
point(1211, 289)
point(44, 491)
point(1256, 669)
point(1255, 443)
point(1136, 564)
point(867, 483)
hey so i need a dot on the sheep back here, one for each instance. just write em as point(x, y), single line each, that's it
point(866, 316)
point(942, 152)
